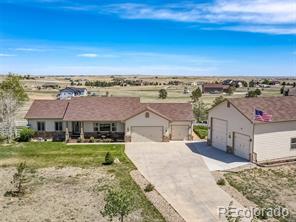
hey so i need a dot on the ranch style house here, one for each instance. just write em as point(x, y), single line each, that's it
point(119, 118)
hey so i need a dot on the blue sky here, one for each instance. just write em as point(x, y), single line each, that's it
point(234, 37)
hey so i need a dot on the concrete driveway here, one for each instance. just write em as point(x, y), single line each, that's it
point(181, 177)
point(217, 159)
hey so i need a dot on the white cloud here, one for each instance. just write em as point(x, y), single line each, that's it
point(88, 55)
point(6, 55)
point(259, 29)
point(29, 49)
point(220, 12)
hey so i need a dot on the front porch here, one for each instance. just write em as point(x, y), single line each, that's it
point(80, 131)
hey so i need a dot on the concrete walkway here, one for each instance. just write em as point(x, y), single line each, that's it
point(182, 178)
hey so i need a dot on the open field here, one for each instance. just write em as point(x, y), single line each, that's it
point(67, 183)
point(147, 93)
point(269, 187)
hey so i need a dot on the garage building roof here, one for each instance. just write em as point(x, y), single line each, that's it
point(281, 108)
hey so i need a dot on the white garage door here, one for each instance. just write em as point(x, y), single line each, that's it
point(219, 134)
point(242, 145)
point(180, 132)
point(146, 133)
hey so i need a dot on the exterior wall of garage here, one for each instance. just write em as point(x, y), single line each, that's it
point(273, 140)
point(188, 124)
point(236, 123)
point(142, 120)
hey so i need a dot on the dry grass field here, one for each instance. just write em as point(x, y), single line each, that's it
point(270, 187)
point(146, 93)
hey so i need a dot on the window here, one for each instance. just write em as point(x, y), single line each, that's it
point(58, 126)
point(96, 127)
point(293, 143)
point(41, 126)
point(105, 127)
point(113, 127)
point(147, 114)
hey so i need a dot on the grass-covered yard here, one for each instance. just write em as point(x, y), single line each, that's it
point(53, 155)
point(268, 187)
point(201, 131)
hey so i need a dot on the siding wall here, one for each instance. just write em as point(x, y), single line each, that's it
point(49, 124)
point(272, 140)
point(141, 120)
point(236, 122)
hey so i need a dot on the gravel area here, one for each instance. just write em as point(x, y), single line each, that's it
point(167, 211)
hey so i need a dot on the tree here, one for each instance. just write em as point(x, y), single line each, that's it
point(196, 94)
point(231, 90)
point(163, 94)
point(252, 83)
point(119, 203)
point(200, 111)
point(18, 181)
point(253, 93)
point(12, 97)
point(218, 100)
point(258, 92)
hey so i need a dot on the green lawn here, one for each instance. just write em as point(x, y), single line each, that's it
point(201, 131)
point(53, 154)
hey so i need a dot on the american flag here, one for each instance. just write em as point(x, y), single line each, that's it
point(262, 116)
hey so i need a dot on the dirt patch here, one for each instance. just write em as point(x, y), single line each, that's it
point(57, 194)
point(267, 187)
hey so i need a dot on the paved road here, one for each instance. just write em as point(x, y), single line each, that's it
point(182, 178)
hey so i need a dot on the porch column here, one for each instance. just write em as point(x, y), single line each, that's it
point(81, 130)
point(67, 136)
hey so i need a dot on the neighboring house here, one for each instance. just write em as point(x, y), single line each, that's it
point(70, 92)
point(233, 128)
point(214, 88)
point(122, 118)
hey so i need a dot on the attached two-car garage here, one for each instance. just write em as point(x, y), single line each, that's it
point(150, 126)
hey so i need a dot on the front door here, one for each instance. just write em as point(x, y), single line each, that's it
point(76, 128)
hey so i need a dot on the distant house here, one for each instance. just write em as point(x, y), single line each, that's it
point(70, 92)
point(214, 88)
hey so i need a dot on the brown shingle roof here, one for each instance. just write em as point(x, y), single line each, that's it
point(174, 111)
point(106, 109)
point(281, 108)
point(95, 108)
point(47, 109)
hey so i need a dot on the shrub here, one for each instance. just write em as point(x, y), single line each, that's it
point(149, 188)
point(2, 139)
point(92, 139)
point(79, 140)
point(26, 135)
point(109, 159)
point(201, 131)
point(18, 180)
point(221, 182)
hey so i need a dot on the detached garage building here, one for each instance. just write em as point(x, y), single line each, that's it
point(118, 118)
point(233, 128)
